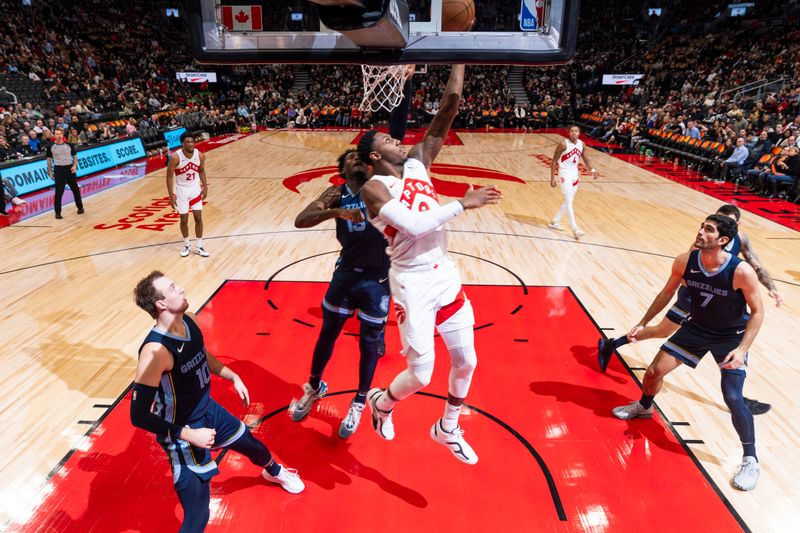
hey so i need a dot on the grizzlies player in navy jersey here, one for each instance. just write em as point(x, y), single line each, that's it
point(360, 282)
point(721, 287)
point(361, 278)
point(740, 245)
point(172, 398)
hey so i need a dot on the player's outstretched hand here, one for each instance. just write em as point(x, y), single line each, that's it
point(200, 437)
point(353, 215)
point(733, 360)
point(777, 296)
point(479, 197)
point(635, 331)
point(241, 390)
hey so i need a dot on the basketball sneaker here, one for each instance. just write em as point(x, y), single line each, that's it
point(299, 409)
point(747, 476)
point(201, 251)
point(756, 407)
point(186, 250)
point(350, 423)
point(556, 226)
point(286, 478)
point(578, 232)
point(632, 410)
point(605, 349)
point(454, 440)
point(381, 420)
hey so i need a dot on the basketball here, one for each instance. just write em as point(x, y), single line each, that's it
point(458, 15)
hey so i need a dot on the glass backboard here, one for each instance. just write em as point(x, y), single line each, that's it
point(526, 32)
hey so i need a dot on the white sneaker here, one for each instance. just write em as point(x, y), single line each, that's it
point(632, 410)
point(350, 423)
point(186, 250)
point(381, 420)
point(286, 478)
point(199, 250)
point(454, 440)
point(578, 233)
point(747, 476)
point(298, 409)
point(556, 226)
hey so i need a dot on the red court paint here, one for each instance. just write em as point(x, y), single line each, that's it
point(536, 394)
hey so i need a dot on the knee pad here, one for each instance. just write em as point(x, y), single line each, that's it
point(461, 346)
point(421, 367)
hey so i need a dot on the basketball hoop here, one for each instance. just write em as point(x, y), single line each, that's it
point(383, 86)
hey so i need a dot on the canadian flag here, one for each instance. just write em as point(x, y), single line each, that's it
point(242, 18)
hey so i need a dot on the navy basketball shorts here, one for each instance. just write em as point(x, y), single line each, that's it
point(353, 288)
point(680, 309)
point(691, 343)
point(187, 460)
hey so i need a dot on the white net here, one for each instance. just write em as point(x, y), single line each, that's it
point(383, 86)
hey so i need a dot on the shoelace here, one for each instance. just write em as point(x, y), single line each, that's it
point(291, 472)
point(748, 468)
point(354, 414)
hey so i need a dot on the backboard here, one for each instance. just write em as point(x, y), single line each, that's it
point(525, 32)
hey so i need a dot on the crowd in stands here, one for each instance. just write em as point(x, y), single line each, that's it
point(100, 70)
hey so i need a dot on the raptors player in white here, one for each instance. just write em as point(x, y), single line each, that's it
point(565, 160)
point(425, 285)
point(188, 167)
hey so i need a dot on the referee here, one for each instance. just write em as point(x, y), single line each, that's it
point(61, 165)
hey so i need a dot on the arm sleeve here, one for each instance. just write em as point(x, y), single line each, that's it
point(141, 417)
point(418, 223)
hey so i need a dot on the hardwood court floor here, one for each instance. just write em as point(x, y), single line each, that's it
point(71, 331)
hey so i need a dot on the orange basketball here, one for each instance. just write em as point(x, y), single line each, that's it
point(458, 15)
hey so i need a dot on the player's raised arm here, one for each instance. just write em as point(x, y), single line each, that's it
point(380, 203)
point(763, 275)
point(432, 143)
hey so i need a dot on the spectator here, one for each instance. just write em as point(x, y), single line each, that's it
point(735, 161)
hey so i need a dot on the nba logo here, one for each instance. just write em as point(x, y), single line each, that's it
point(530, 10)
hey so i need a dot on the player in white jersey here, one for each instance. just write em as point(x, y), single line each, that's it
point(426, 287)
point(565, 159)
point(188, 190)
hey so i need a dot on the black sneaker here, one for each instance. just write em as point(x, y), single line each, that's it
point(80, 211)
point(756, 407)
point(604, 351)
point(58, 216)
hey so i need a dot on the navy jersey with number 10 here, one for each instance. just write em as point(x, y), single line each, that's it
point(184, 393)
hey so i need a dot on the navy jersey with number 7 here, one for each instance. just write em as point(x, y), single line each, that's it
point(716, 305)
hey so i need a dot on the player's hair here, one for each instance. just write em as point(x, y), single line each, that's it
point(364, 147)
point(185, 135)
point(729, 209)
point(146, 295)
point(342, 158)
point(726, 227)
